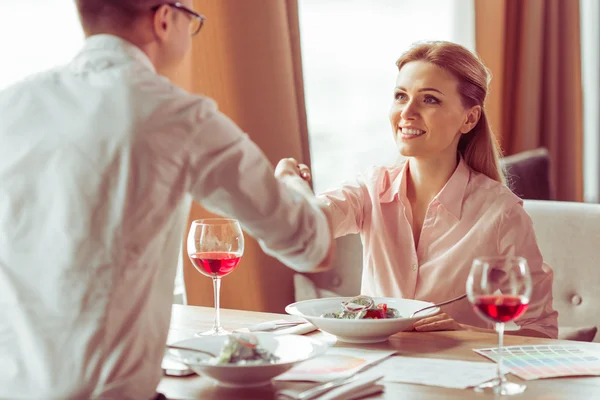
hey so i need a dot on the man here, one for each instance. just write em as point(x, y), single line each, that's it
point(99, 161)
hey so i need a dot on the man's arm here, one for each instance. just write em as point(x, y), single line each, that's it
point(228, 174)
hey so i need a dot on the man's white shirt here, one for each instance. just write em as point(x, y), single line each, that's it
point(99, 161)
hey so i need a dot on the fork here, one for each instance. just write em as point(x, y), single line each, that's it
point(319, 390)
point(439, 304)
point(207, 353)
point(271, 326)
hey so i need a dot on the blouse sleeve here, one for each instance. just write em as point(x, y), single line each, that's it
point(347, 206)
point(516, 237)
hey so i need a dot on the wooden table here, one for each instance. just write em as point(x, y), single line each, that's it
point(187, 320)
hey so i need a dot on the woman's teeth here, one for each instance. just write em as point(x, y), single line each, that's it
point(413, 132)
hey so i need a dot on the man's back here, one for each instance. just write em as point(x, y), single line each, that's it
point(95, 171)
point(88, 214)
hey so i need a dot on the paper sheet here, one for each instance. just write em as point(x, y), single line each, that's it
point(547, 361)
point(435, 372)
point(337, 362)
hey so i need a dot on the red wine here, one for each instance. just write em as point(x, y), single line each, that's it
point(215, 264)
point(501, 308)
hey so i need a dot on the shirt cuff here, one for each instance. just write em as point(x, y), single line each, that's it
point(316, 241)
point(550, 330)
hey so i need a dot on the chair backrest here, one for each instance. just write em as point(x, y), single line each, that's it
point(528, 174)
point(569, 238)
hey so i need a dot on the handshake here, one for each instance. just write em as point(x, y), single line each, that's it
point(297, 177)
point(289, 167)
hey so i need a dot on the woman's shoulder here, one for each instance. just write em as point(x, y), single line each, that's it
point(388, 172)
point(375, 177)
point(376, 182)
point(384, 181)
point(484, 190)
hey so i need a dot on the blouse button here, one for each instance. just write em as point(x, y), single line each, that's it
point(576, 300)
point(414, 267)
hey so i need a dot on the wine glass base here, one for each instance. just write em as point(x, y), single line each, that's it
point(214, 332)
point(503, 387)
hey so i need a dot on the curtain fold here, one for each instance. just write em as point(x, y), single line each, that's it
point(533, 51)
point(247, 58)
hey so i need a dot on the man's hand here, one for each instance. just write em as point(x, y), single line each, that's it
point(291, 173)
point(290, 167)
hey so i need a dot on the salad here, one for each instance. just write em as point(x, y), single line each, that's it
point(243, 349)
point(363, 307)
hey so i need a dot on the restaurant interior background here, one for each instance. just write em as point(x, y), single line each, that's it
point(313, 79)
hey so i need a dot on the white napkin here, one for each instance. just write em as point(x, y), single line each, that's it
point(301, 329)
point(357, 389)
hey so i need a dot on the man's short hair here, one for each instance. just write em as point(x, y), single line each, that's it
point(117, 13)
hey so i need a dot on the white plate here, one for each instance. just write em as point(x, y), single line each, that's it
point(291, 350)
point(361, 330)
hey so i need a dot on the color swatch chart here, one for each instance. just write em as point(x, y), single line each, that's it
point(536, 362)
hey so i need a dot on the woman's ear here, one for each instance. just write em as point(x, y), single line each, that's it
point(472, 119)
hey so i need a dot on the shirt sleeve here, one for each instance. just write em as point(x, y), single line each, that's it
point(229, 175)
point(346, 206)
point(517, 238)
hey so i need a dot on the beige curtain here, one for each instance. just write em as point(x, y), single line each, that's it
point(532, 48)
point(247, 58)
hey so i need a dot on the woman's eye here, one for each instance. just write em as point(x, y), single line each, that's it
point(400, 96)
point(431, 100)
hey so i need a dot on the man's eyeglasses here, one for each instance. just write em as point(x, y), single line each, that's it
point(197, 20)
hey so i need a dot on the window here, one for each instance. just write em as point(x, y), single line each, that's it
point(37, 35)
point(349, 50)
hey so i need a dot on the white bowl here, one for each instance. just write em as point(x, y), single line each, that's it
point(291, 350)
point(361, 330)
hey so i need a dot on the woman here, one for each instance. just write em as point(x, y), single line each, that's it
point(424, 221)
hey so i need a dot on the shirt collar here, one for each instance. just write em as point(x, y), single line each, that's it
point(115, 43)
point(451, 196)
point(393, 184)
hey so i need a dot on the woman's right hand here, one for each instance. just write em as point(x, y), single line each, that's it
point(291, 167)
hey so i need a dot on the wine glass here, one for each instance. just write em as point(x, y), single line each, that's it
point(215, 246)
point(499, 289)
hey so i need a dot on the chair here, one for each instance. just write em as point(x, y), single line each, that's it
point(569, 236)
point(529, 174)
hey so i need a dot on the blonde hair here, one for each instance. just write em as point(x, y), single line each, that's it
point(479, 148)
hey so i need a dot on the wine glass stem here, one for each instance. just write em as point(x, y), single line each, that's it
point(217, 290)
point(500, 330)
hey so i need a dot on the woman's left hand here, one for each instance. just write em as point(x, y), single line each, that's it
point(439, 322)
